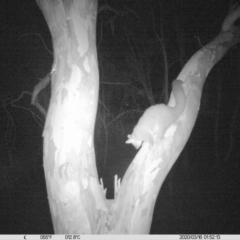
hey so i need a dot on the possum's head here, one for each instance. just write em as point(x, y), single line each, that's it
point(139, 136)
point(135, 142)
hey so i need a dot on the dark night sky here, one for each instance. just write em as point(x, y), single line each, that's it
point(201, 193)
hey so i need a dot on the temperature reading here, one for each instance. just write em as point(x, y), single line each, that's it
point(74, 236)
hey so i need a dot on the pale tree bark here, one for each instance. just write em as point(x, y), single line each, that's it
point(77, 201)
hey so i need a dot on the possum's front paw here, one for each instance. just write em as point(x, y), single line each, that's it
point(135, 142)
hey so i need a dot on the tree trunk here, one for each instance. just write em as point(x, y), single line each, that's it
point(69, 160)
point(77, 200)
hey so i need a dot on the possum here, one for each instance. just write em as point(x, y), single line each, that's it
point(158, 118)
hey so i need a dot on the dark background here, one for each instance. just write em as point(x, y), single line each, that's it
point(201, 193)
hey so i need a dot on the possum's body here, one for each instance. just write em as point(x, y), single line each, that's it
point(156, 119)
